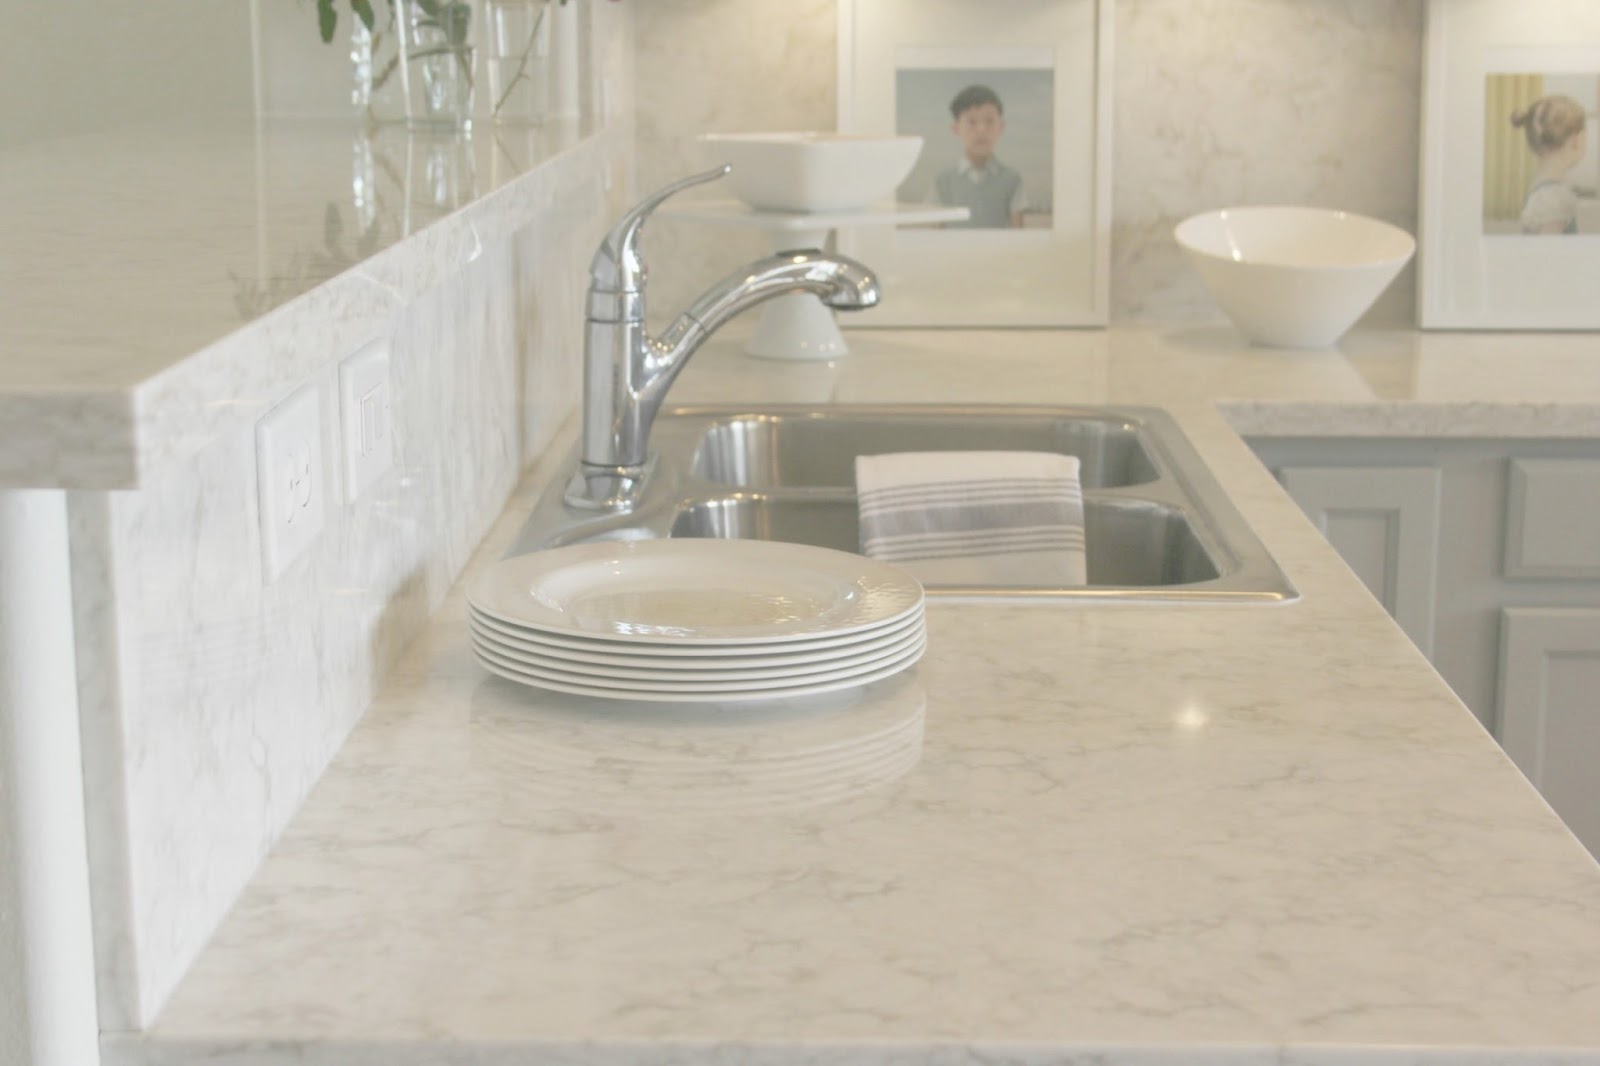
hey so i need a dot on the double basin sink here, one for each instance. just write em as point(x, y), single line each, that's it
point(1158, 526)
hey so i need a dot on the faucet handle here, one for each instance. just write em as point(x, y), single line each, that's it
point(616, 266)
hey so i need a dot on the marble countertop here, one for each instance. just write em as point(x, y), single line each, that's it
point(1072, 834)
point(158, 278)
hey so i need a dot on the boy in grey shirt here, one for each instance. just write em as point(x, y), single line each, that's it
point(978, 181)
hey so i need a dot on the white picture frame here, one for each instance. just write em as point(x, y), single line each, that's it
point(1487, 259)
point(1048, 264)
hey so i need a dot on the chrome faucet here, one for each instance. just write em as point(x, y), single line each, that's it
point(626, 372)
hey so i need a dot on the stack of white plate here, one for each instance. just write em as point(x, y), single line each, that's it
point(696, 620)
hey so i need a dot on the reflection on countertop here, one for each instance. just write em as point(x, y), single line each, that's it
point(163, 280)
point(399, 181)
point(622, 758)
point(132, 249)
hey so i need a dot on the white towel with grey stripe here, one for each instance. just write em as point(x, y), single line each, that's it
point(974, 518)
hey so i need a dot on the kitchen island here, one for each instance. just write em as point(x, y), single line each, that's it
point(1098, 833)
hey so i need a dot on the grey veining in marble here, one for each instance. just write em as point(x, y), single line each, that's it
point(1199, 834)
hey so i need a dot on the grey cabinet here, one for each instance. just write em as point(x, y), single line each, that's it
point(1550, 709)
point(1487, 553)
point(1553, 519)
point(1384, 522)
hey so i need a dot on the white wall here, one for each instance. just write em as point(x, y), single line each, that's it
point(1217, 102)
point(74, 66)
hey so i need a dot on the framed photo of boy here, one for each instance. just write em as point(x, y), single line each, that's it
point(1509, 227)
point(1012, 100)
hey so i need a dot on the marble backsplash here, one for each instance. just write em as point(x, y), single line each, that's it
point(211, 700)
point(1215, 102)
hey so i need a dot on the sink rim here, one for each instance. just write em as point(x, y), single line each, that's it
point(1247, 572)
point(1120, 441)
point(695, 509)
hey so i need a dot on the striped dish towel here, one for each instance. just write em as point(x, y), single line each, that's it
point(974, 518)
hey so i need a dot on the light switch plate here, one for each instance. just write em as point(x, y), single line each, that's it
point(289, 480)
point(364, 412)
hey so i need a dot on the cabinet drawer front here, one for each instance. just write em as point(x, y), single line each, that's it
point(1553, 518)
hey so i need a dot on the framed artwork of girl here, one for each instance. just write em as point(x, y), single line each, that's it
point(1555, 127)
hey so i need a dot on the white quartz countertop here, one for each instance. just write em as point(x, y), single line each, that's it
point(156, 279)
point(1072, 834)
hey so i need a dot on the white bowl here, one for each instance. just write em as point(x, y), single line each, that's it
point(1293, 277)
point(812, 171)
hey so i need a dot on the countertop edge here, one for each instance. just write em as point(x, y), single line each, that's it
point(103, 437)
point(136, 1050)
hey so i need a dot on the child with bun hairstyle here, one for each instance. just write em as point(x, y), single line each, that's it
point(1555, 128)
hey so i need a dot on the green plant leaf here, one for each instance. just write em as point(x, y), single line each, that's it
point(327, 19)
point(434, 50)
point(383, 76)
point(363, 10)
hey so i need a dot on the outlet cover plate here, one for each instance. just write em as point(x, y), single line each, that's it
point(364, 412)
point(290, 480)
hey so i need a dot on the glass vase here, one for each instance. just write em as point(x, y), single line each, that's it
point(438, 59)
point(375, 62)
point(517, 58)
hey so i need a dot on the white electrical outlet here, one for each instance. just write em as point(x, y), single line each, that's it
point(364, 412)
point(289, 479)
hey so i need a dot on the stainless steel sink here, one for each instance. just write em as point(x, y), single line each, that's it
point(820, 448)
point(1158, 526)
point(1137, 543)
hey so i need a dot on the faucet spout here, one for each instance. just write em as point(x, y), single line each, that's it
point(838, 281)
point(627, 372)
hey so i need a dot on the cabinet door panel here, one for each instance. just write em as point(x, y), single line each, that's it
point(1384, 522)
point(1549, 720)
point(1553, 518)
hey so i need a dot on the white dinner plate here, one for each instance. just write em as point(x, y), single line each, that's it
point(699, 688)
point(609, 646)
point(657, 694)
point(489, 642)
point(768, 655)
point(696, 592)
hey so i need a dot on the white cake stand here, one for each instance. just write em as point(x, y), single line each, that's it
point(799, 325)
